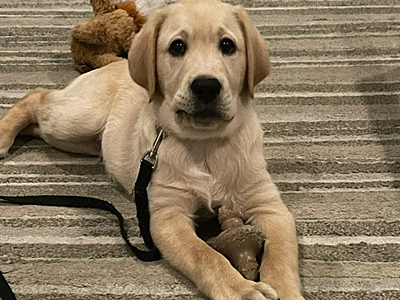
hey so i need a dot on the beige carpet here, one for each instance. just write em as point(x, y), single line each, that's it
point(331, 115)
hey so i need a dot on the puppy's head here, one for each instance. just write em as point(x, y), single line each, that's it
point(200, 62)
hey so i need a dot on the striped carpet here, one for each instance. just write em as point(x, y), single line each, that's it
point(331, 115)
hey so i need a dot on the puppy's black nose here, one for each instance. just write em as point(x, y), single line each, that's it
point(206, 89)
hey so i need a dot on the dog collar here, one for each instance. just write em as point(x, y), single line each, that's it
point(151, 154)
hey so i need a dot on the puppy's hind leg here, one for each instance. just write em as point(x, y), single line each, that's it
point(20, 116)
point(91, 146)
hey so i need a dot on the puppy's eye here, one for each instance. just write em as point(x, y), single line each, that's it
point(177, 48)
point(227, 46)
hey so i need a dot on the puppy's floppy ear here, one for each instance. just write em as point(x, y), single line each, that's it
point(143, 54)
point(258, 66)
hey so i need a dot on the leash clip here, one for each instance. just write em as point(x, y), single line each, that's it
point(151, 155)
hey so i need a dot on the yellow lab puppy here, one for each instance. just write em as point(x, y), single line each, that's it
point(194, 67)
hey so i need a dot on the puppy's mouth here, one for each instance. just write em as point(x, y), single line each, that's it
point(203, 118)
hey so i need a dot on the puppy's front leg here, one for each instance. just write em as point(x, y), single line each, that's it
point(174, 235)
point(279, 267)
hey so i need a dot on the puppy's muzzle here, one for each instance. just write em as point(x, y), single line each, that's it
point(206, 89)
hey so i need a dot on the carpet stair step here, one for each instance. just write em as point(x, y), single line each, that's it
point(282, 158)
point(61, 31)
point(357, 207)
point(256, 3)
point(280, 55)
point(247, 3)
point(257, 13)
point(378, 206)
point(52, 243)
point(61, 278)
point(325, 115)
point(88, 278)
point(386, 56)
point(305, 3)
point(35, 63)
point(279, 98)
point(285, 182)
point(92, 223)
point(284, 154)
point(296, 80)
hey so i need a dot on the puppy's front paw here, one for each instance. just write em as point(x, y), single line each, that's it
point(247, 290)
point(260, 291)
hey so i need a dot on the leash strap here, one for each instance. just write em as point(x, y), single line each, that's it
point(5, 291)
point(84, 202)
point(142, 204)
point(147, 164)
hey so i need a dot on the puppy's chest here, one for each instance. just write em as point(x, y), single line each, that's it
point(213, 187)
point(223, 194)
point(212, 173)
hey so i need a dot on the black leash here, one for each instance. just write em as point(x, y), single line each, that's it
point(88, 202)
point(147, 165)
point(5, 291)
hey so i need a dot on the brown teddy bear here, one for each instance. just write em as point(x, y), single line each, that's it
point(106, 37)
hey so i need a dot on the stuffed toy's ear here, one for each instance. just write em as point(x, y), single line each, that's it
point(143, 54)
point(258, 66)
point(102, 6)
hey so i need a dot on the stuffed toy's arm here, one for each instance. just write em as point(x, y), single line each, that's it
point(103, 30)
point(90, 32)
